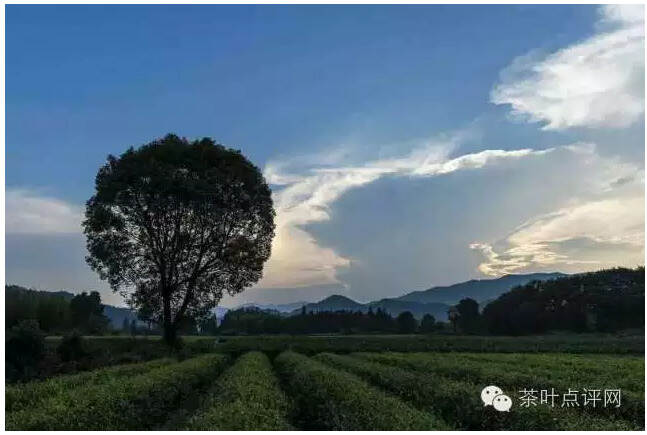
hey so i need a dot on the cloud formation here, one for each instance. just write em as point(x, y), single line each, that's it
point(297, 259)
point(596, 83)
point(603, 227)
point(28, 212)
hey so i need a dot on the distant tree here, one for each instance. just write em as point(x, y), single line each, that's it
point(209, 325)
point(407, 324)
point(87, 313)
point(428, 323)
point(468, 315)
point(180, 223)
point(607, 301)
point(452, 316)
point(146, 313)
point(133, 327)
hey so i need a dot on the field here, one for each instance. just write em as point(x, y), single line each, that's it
point(346, 383)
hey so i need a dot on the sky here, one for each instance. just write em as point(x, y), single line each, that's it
point(406, 146)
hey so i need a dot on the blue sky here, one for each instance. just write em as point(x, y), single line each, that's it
point(424, 128)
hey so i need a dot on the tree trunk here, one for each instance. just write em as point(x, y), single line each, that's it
point(170, 334)
point(170, 328)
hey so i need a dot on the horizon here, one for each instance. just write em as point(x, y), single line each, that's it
point(363, 302)
point(407, 147)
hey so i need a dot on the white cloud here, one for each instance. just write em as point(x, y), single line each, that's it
point(27, 212)
point(598, 82)
point(306, 197)
point(604, 227)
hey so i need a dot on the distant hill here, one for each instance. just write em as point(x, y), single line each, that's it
point(118, 314)
point(391, 306)
point(604, 301)
point(395, 307)
point(481, 290)
point(334, 303)
point(435, 301)
point(281, 308)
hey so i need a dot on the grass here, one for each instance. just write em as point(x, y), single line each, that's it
point(246, 397)
point(330, 399)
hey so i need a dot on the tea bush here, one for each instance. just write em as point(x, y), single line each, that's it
point(123, 403)
point(330, 399)
point(32, 394)
point(463, 367)
point(459, 402)
point(246, 397)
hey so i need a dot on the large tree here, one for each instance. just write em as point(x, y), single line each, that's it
point(174, 224)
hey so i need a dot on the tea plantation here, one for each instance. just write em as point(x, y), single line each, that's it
point(234, 387)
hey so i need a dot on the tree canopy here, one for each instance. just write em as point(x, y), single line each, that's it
point(174, 224)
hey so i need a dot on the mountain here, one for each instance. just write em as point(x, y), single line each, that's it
point(435, 301)
point(334, 303)
point(395, 307)
point(391, 306)
point(481, 290)
point(281, 308)
point(118, 314)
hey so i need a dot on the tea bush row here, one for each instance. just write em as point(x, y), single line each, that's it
point(247, 396)
point(32, 394)
point(510, 378)
point(123, 403)
point(459, 402)
point(330, 399)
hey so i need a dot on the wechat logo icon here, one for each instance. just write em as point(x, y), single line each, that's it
point(493, 396)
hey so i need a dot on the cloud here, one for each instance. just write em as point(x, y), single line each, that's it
point(597, 233)
point(28, 212)
point(305, 198)
point(596, 83)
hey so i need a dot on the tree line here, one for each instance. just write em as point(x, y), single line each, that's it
point(56, 313)
point(604, 301)
point(255, 321)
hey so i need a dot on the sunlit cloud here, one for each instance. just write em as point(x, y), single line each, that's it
point(598, 82)
point(306, 197)
point(603, 229)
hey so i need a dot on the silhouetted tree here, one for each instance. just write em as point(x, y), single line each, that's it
point(407, 324)
point(179, 222)
point(87, 313)
point(468, 315)
point(607, 300)
point(428, 323)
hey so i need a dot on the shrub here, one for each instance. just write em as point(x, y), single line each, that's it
point(72, 347)
point(310, 345)
point(480, 373)
point(32, 394)
point(459, 402)
point(330, 399)
point(246, 397)
point(24, 349)
point(142, 402)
